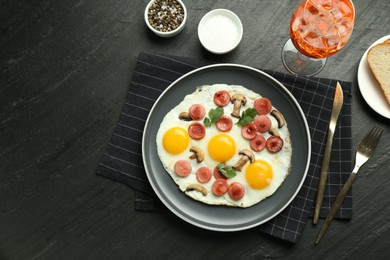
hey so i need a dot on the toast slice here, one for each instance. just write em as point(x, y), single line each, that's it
point(378, 59)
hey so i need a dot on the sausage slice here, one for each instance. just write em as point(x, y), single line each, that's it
point(196, 130)
point(274, 144)
point(221, 98)
point(183, 168)
point(263, 123)
point(197, 111)
point(203, 174)
point(236, 191)
point(224, 124)
point(249, 131)
point(258, 143)
point(262, 105)
point(220, 187)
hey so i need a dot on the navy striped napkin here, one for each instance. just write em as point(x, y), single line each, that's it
point(122, 160)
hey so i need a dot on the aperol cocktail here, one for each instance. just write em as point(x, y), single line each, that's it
point(318, 29)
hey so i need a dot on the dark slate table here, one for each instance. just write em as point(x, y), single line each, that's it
point(65, 69)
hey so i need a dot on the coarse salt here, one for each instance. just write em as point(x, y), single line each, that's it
point(219, 33)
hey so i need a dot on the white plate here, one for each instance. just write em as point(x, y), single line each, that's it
point(369, 87)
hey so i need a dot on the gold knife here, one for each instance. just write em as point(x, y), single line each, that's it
point(337, 104)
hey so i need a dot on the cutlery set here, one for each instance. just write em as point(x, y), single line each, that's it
point(364, 152)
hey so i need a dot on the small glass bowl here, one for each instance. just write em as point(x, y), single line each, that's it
point(170, 33)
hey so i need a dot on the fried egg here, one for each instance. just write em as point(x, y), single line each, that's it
point(259, 178)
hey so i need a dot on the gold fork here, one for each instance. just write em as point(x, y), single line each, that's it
point(364, 152)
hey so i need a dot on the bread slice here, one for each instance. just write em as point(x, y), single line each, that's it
point(378, 59)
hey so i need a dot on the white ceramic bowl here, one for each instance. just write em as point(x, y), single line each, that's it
point(220, 31)
point(170, 33)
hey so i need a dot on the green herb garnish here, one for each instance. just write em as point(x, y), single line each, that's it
point(214, 116)
point(226, 170)
point(247, 116)
point(207, 122)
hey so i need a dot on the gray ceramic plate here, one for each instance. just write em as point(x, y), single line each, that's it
point(220, 218)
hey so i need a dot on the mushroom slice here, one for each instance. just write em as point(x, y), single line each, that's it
point(279, 117)
point(185, 116)
point(273, 132)
point(198, 154)
point(237, 100)
point(197, 187)
point(247, 155)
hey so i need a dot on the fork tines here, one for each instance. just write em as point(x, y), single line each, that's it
point(372, 138)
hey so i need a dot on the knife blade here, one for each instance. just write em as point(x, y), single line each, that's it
point(336, 108)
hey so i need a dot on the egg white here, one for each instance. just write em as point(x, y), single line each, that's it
point(280, 161)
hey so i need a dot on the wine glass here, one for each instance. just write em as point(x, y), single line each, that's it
point(318, 29)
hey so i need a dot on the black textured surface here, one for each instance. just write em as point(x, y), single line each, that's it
point(65, 69)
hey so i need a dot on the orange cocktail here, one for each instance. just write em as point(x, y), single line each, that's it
point(320, 28)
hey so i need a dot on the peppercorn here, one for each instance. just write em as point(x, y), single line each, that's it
point(165, 15)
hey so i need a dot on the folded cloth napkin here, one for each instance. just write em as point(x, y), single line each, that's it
point(122, 161)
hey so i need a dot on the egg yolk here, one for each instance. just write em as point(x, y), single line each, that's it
point(259, 174)
point(222, 147)
point(176, 140)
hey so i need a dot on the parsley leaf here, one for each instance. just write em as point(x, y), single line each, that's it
point(214, 116)
point(247, 116)
point(245, 120)
point(207, 122)
point(226, 170)
point(251, 112)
